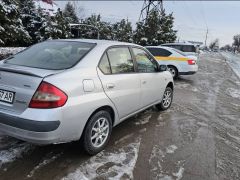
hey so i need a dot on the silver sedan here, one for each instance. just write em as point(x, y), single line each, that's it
point(59, 91)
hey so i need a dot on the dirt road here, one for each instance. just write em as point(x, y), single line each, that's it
point(198, 138)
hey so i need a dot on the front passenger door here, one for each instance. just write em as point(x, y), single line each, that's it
point(152, 82)
point(120, 81)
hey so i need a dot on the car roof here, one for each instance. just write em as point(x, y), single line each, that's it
point(163, 47)
point(180, 43)
point(99, 42)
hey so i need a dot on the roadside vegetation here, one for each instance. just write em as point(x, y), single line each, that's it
point(24, 24)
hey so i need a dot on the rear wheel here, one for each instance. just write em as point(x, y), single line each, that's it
point(167, 100)
point(97, 132)
point(173, 70)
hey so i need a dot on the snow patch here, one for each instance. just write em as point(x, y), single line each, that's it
point(235, 93)
point(179, 174)
point(171, 149)
point(13, 153)
point(186, 86)
point(144, 120)
point(106, 165)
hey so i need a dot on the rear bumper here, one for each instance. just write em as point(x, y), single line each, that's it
point(30, 125)
point(188, 70)
point(36, 132)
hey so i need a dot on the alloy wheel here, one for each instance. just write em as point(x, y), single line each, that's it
point(99, 132)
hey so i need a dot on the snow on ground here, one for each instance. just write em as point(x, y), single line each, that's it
point(185, 86)
point(109, 165)
point(171, 149)
point(233, 61)
point(235, 93)
point(157, 161)
point(11, 154)
point(143, 120)
point(179, 174)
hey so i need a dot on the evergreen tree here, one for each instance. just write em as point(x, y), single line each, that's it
point(96, 27)
point(158, 29)
point(30, 20)
point(12, 32)
point(166, 33)
point(46, 26)
point(139, 34)
point(123, 31)
point(63, 27)
point(70, 14)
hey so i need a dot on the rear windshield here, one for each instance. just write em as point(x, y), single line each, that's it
point(52, 55)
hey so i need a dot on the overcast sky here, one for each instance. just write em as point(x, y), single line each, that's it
point(191, 17)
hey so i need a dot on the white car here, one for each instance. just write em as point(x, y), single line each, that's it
point(178, 63)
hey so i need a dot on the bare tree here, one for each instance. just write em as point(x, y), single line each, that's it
point(214, 44)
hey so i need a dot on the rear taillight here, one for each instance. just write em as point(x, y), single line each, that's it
point(48, 96)
point(191, 62)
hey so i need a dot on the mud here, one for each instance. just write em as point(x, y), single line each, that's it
point(198, 138)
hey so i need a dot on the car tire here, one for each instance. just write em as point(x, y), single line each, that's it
point(173, 70)
point(97, 132)
point(166, 101)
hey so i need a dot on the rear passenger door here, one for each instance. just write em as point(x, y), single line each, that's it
point(152, 82)
point(120, 81)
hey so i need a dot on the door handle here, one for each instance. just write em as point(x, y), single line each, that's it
point(144, 82)
point(110, 86)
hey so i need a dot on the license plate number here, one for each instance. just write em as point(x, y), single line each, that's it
point(6, 96)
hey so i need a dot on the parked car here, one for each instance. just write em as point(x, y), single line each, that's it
point(194, 57)
point(178, 63)
point(187, 48)
point(65, 90)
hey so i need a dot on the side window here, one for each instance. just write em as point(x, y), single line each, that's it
point(188, 48)
point(159, 52)
point(104, 65)
point(120, 60)
point(176, 47)
point(144, 63)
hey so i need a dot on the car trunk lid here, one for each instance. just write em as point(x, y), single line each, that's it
point(20, 82)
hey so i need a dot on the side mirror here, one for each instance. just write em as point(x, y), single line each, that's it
point(162, 68)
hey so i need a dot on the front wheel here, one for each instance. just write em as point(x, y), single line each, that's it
point(167, 100)
point(97, 132)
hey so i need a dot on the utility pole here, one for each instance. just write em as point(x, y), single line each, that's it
point(206, 38)
point(148, 5)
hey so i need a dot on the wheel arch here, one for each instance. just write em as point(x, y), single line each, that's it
point(176, 67)
point(170, 84)
point(105, 108)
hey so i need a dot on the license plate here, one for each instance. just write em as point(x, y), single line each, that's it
point(6, 96)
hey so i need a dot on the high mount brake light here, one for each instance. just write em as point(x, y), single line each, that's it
point(48, 96)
